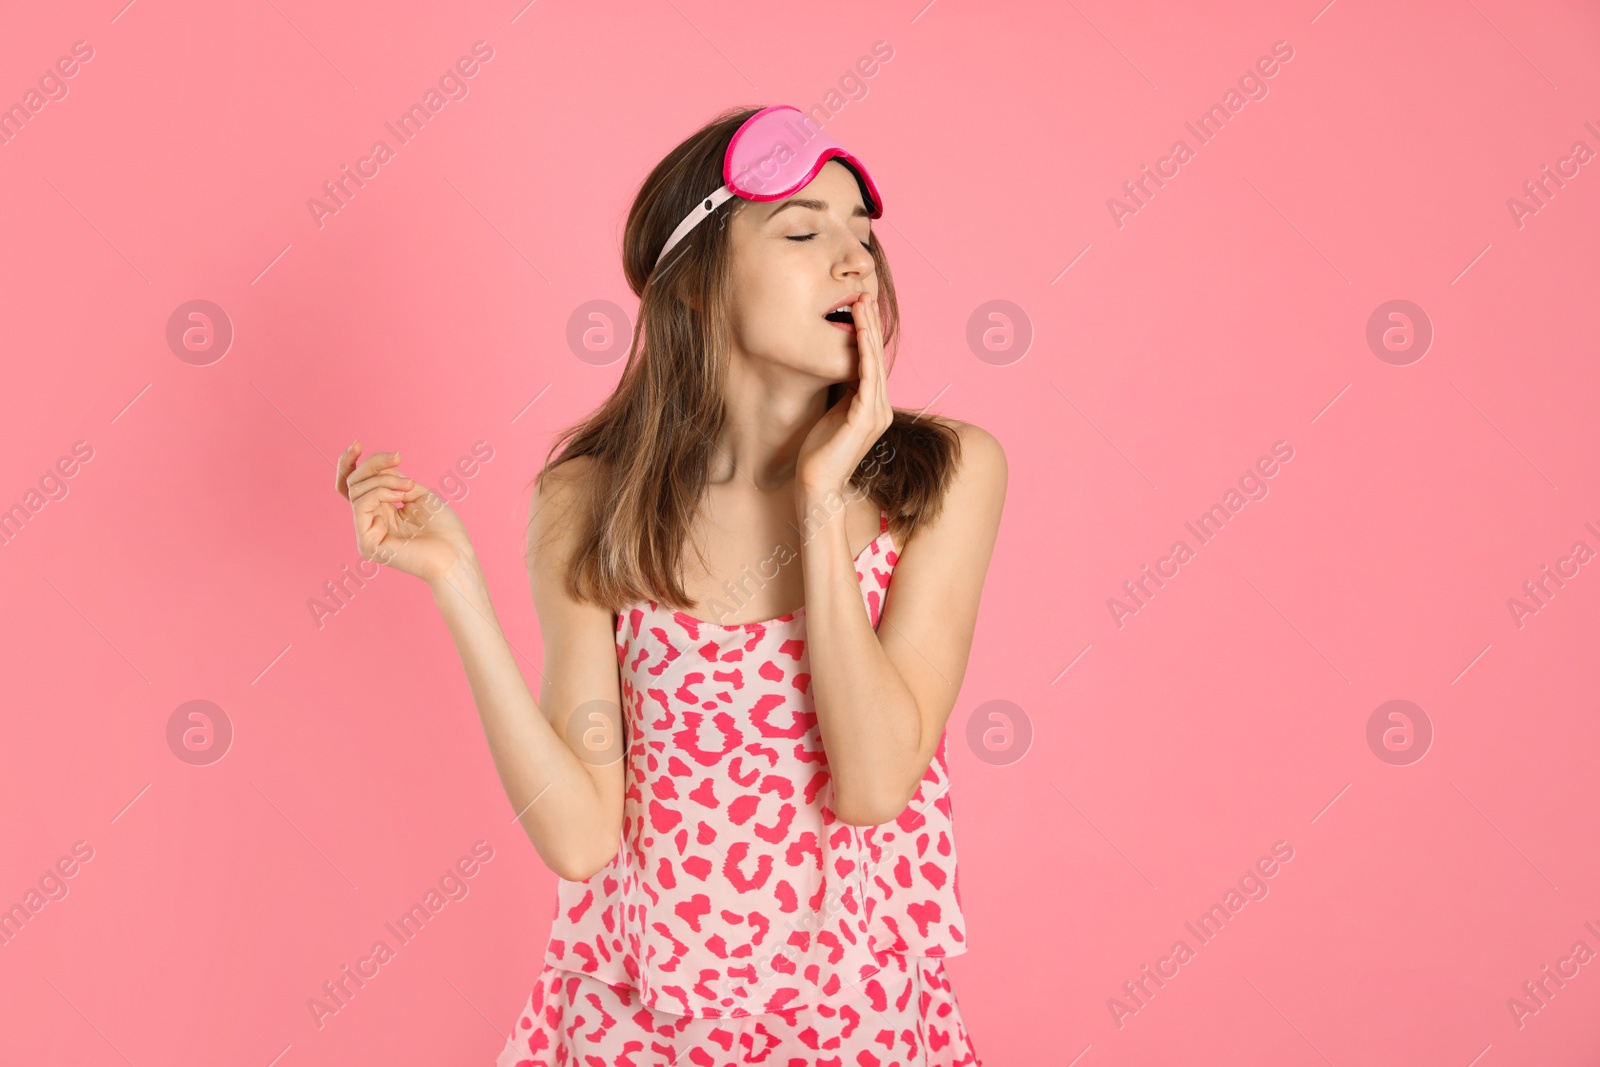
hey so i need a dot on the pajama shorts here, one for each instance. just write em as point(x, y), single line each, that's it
point(905, 1014)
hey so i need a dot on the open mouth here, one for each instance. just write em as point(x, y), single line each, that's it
point(843, 316)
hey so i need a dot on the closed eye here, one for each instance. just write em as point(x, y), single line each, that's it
point(809, 236)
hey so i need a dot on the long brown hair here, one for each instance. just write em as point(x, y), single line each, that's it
point(653, 437)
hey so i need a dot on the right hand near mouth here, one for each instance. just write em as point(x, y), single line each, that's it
point(399, 523)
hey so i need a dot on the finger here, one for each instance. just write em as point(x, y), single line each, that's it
point(869, 342)
point(380, 525)
point(417, 510)
point(346, 463)
point(880, 369)
point(357, 480)
point(378, 461)
point(374, 463)
point(409, 496)
point(370, 530)
point(868, 315)
point(371, 503)
point(387, 478)
point(868, 386)
point(863, 338)
point(875, 323)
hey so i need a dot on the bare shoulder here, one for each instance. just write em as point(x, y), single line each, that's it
point(967, 522)
point(556, 504)
point(560, 490)
point(568, 479)
point(577, 634)
point(983, 471)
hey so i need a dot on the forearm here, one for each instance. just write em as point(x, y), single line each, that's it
point(544, 780)
point(870, 724)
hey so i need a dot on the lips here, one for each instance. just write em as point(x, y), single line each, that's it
point(845, 302)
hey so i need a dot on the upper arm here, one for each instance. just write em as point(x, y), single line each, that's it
point(932, 607)
point(580, 689)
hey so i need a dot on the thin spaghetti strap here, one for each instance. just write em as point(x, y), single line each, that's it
point(883, 520)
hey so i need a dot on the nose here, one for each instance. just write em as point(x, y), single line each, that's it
point(856, 260)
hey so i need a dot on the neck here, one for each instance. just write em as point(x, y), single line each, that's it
point(767, 414)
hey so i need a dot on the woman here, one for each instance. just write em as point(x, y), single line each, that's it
point(735, 766)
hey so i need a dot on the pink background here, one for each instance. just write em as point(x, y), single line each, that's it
point(1168, 355)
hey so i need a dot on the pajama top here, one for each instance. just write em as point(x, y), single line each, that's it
point(735, 890)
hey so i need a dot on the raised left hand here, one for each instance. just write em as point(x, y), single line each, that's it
point(841, 438)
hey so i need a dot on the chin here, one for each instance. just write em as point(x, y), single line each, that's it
point(846, 370)
point(837, 366)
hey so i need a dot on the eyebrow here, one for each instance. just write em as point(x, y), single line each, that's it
point(816, 205)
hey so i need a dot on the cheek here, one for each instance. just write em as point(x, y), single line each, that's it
point(768, 318)
point(763, 331)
